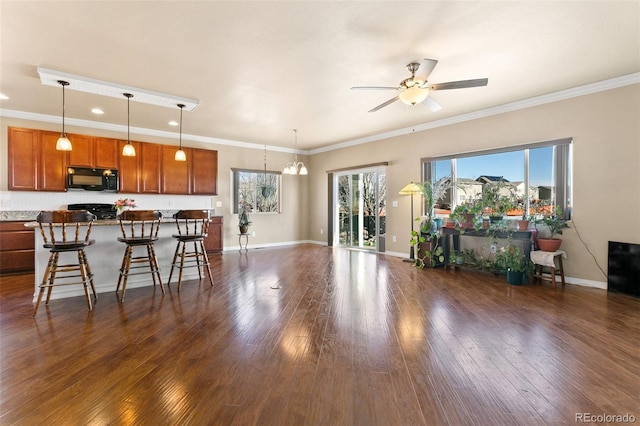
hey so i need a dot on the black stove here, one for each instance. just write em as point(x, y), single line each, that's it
point(102, 211)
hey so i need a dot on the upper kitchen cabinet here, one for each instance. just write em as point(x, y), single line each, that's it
point(52, 164)
point(175, 174)
point(129, 169)
point(150, 167)
point(94, 152)
point(34, 164)
point(23, 147)
point(204, 172)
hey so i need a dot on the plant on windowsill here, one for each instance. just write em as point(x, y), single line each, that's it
point(464, 216)
point(555, 223)
point(497, 199)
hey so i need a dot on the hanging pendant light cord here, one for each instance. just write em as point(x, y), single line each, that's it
point(63, 84)
point(181, 106)
point(128, 125)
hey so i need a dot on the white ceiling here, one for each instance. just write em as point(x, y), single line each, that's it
point(260, 69)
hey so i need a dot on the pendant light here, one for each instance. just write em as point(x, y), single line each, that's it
point(63, 144)
point(180, 155)
point(128, 150)
point(295, 167)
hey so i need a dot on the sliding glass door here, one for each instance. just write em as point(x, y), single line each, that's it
point(359, 219)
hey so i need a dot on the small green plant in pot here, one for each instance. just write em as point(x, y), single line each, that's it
point(517, 266)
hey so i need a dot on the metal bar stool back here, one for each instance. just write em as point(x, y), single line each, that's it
point(193, 228)
point(66, 231)
point(139, 229)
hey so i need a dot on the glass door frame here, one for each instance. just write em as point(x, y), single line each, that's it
point(379, 241)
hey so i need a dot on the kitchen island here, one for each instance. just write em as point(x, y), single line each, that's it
point(105, 258)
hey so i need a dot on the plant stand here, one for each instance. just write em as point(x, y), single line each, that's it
point(547, 260)
point(243, 237)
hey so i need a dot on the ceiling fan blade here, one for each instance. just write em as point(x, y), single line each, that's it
point(426, 68)
point(384, 104)
point(374, 88)
point(462, 84)
point(432, 104)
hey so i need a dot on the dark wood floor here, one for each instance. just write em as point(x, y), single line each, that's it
point(350, 338)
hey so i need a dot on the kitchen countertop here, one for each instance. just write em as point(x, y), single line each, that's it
point(31, 215)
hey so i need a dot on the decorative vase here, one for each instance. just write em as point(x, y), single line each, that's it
point(549, 244)
point(515, 277)
point(243, 229)
point(120, 210)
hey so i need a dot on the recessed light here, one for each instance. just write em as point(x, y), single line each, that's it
point(97, 111)
point(173, 123)
point(3, 96)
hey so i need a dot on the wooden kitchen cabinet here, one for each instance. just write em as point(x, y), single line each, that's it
point(150, 167)
point(23, 147)
point(34, 163)
point(94, 152)
point(17, 248)
point(204, 172)
point(213, 242)
point(129, 169)
point(175, 174)
point(52, 164)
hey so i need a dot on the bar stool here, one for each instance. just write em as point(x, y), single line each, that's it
point(139, 229)
point(193, 227)
point(66, 231)
point(547, 259)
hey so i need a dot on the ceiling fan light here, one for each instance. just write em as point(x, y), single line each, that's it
point(128, 150)
point(63, 144)
point(414, 95)
point(180, 155)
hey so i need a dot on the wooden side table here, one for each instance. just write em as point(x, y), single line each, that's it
point(244, 237)
point(551, 260)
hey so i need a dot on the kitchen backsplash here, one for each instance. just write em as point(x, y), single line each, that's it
point(19, 205)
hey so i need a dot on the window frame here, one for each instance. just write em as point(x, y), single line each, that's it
point(562, 169)
point(235, 188)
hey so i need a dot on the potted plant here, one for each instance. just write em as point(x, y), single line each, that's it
point(516, 265)
point(555, 223)
point(497, 199)
point(243, 220)
point(523, 224)
point(464, 215)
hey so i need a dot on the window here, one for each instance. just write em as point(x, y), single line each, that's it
point(539, 173)
point(257, 191)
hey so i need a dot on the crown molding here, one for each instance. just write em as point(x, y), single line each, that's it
point(587, 89)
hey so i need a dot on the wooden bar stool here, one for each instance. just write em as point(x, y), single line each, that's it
point(547, 260)
point(66, 231)
point(139, 229)
point(193, 227)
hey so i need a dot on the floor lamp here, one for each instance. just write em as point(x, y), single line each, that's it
point(410, 189)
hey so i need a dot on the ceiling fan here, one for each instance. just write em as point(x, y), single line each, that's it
point(415, 89)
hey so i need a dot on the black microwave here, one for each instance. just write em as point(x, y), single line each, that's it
point(92, 179)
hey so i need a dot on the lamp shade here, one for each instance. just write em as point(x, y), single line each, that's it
point(180, 155)
point(63, 144)
point(414, 95)
point(411, 188)
point(128, 150)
